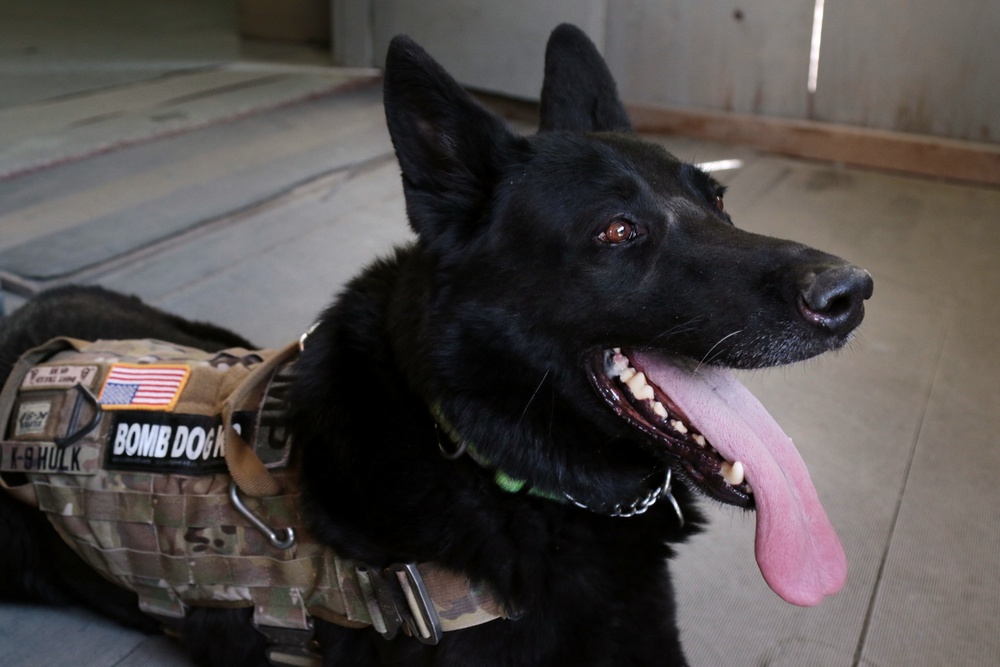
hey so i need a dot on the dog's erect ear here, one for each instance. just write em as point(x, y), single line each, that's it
point(579, 93)
point(450, 149)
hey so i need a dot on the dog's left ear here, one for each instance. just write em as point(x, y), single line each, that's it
point(579, 93)
point(450, 149)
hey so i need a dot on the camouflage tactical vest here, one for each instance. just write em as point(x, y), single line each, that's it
point(123, 444)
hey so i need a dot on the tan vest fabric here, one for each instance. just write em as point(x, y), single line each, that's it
point(126, 446)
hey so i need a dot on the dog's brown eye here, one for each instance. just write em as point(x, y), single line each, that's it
point(618, 231)
point(718, 203)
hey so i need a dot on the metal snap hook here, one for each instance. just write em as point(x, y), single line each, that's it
point(673, 501)
point(305, 336)
point(287, 542)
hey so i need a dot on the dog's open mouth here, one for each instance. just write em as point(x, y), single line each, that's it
point(645, 405)
point(716, 431)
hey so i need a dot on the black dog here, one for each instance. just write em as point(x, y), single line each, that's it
point(564, 316)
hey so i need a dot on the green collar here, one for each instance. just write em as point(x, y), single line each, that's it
point(514, 485)
point(502, 479)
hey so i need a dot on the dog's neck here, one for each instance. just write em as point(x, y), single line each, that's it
point(461, 446)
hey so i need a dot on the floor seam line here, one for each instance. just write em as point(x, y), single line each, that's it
point(869, 612)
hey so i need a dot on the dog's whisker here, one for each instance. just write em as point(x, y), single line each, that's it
point(707, 358)
point(677, 329)
point(535, 393)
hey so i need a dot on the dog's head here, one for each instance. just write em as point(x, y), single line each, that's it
point(588, 290)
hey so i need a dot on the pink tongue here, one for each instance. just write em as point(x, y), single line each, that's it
point(797, 550)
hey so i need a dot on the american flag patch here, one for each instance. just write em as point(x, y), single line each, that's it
point(143, 387)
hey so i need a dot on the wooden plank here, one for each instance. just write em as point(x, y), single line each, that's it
point(213, 172)
point(55, 116)
point(294, 256)
point(916, 154)
point(54, 48)
point(46, 135)
point(213, 152)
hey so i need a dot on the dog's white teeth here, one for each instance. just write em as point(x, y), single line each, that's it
point(733, 473)
point(616, 350)
point(639, 387)
point(748, 488)
point(641, 390)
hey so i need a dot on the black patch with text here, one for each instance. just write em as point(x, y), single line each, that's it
point(171, 443)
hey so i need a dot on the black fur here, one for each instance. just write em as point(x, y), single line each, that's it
point(491, 318)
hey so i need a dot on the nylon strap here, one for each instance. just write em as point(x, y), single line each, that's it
point(244, 465)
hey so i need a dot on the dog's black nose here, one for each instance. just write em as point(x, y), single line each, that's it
point(833, 297)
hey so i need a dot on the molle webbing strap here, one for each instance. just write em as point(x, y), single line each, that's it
point(182, 544)
point(8, 396)
point(179, 543)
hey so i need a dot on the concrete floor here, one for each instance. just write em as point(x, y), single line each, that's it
point(265, 192)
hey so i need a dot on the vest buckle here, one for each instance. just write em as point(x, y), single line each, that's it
point(397, 598)
point(291, 647)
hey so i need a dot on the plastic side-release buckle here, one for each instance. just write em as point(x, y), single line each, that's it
point(291, 647)
point(398, 598)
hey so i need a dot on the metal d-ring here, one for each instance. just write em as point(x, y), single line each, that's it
point(72, 437)
point(277, 542)
point(451, 455)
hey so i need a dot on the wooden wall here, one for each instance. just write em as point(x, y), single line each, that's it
point(923, 66)
point(494, 46)
point(915, 66)
point(749, 56)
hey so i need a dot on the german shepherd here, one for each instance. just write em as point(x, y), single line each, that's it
point(565, 318)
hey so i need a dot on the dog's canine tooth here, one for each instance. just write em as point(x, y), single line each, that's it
point(660, 410)
point(619, 362)
point(733, 473)
point(639, 387)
